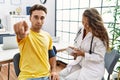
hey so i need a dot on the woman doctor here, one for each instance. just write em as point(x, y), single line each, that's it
point(88, 65)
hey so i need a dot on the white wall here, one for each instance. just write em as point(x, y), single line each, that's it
point(50, 19)
point(49, 26)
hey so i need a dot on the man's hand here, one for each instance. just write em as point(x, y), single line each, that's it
point(54, 76)
point(21, 29)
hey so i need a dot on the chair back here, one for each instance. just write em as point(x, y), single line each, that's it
point(111, 59)
point(16, 60)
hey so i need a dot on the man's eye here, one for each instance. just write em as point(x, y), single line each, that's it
point(42, 18)
point(36, 17)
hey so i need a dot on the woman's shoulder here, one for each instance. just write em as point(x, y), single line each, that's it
point(98, 40)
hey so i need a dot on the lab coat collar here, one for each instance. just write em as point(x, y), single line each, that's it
point(89, 34)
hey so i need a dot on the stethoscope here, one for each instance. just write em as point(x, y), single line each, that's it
point(78, 33)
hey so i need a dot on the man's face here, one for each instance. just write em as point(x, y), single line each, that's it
point(37, 19)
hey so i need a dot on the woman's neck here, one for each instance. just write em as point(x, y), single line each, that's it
point(85, 33)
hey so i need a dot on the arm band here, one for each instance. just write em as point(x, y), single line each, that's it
point(51, 53)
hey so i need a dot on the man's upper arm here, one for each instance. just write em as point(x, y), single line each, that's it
point(51, 53)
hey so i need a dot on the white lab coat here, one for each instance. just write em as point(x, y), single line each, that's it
point(90, 67)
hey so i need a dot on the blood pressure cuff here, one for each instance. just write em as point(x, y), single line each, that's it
point(51, 53)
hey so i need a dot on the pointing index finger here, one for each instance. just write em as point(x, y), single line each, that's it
point(25, 25)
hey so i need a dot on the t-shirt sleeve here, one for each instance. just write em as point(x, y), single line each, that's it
point(51, 51)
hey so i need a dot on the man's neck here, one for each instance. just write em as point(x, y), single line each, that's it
point(35, 30)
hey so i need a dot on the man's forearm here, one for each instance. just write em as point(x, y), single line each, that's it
point(54, 74)
point(53, 64)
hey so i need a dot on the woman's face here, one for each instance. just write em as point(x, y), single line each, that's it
point(85, 22)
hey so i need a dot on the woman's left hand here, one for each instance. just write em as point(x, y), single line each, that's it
point(78, 52)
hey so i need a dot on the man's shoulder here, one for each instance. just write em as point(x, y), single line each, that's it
point(45, 32)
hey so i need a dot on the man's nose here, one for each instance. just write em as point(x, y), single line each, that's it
point(40, 21)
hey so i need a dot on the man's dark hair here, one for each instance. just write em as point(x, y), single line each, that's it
point(37, 7)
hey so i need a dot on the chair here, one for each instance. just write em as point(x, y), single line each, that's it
point(111, 59)
point(16, 60)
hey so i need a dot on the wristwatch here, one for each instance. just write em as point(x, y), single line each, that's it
point(43, 1)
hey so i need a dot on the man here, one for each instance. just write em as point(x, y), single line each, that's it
point(34, 46)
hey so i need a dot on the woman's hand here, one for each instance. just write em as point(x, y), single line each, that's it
point(77, 52)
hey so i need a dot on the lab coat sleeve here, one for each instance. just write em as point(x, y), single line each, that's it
point(98, 53)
